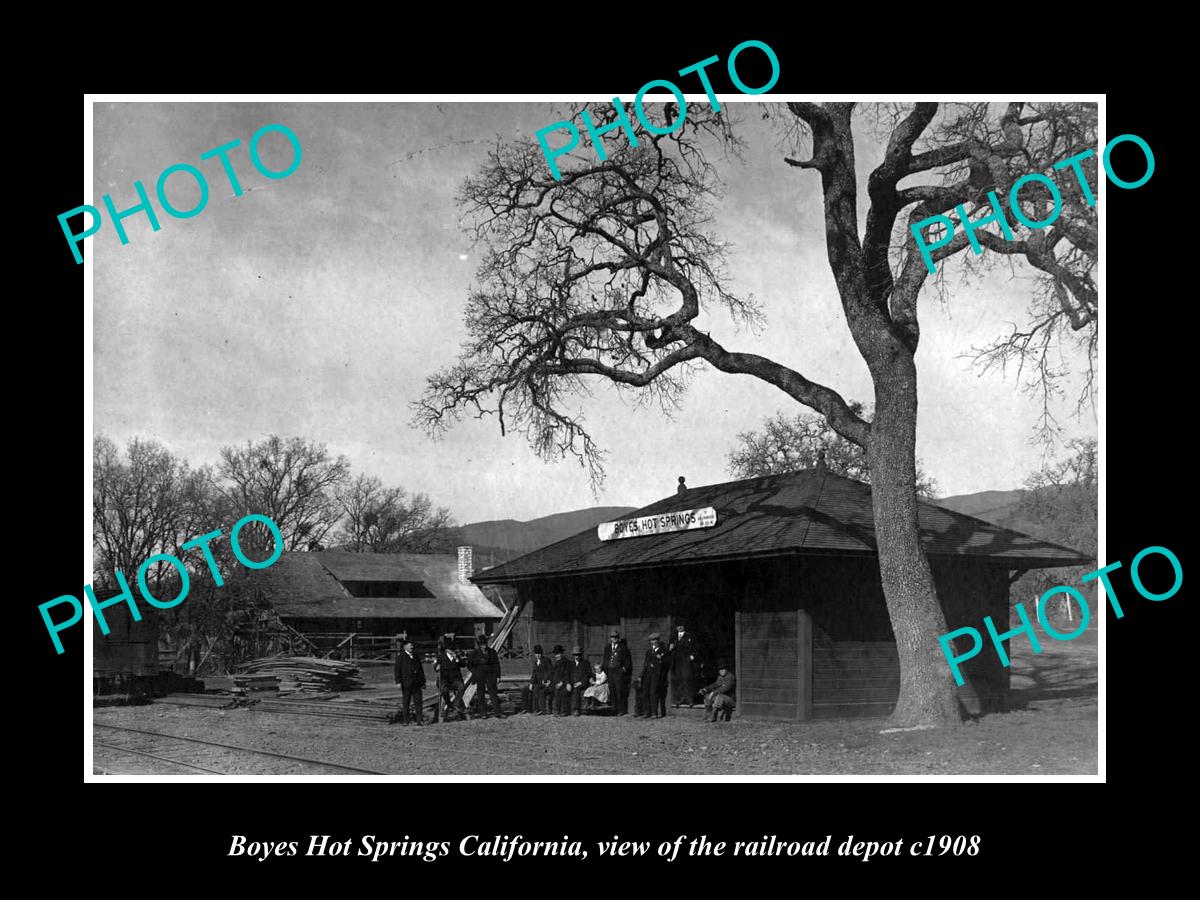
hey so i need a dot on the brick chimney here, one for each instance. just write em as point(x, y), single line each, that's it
point(466, 564)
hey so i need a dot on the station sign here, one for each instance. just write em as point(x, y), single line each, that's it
point(663, 523)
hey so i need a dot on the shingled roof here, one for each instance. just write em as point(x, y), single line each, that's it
point(811, 511)
point(309, 585)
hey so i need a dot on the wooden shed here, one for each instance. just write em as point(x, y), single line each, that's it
point(377, 594)
point(779, 575)
point(126, 659)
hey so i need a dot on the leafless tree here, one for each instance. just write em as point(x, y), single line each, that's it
point(602, 275)
point(1061, 504)
point(145, 501)
point(388, 520)
point(290, 481)
point(786, 444)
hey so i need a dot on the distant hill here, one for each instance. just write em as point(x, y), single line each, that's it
point(998, 507)
point(1001, 508)
point(500, 540)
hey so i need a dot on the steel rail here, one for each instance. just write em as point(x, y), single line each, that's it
point(290, 758)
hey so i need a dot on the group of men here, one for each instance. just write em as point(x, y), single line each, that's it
point(557, 685)
point(482, 662)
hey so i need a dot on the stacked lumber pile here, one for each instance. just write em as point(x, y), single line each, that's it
point(255, 684)
point(296, 674)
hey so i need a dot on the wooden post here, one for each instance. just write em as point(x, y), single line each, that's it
point(737, 659)
point(804, 665)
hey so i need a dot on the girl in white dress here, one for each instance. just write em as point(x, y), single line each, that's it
point(598, 690)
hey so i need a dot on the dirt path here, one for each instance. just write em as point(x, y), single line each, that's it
point(1058, 736)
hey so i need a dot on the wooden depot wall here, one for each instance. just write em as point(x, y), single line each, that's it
point(808, 636)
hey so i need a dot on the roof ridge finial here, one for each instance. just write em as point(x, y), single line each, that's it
point(821, 467)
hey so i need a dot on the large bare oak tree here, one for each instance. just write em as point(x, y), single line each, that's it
point(603, 274)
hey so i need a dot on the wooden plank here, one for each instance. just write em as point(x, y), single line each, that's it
point(785, 711)
point(859, 696)
point(841, 683)
point(497, 641)
point(775, 683)
point(787, 705)
point(737, 658)
point(804, 675)
point(785, 698)
point(883, 648)
point(857, 646)
point(859, 668)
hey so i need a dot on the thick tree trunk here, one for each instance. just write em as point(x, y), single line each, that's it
point(927, 692)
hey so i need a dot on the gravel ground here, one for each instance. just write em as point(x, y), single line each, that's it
point(1054, 731)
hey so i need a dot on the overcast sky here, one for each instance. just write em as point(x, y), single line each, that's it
point(316, 305)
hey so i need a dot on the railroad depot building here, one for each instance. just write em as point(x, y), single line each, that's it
point(337, 594)
point(779, 575)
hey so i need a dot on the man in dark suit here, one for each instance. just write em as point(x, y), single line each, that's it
point(540, 683)
point(618, 666)
point(411, 677)
point(654, 679)
point(721, 696)
point(398, 651)
point(685, 663)
point(485, 673)
point(560, 680)
point(450, 682)
point(579, 672)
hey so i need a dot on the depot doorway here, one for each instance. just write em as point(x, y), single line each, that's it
point(709, 618)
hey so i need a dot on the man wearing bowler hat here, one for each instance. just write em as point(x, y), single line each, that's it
point(540, 684)
point(654, 679)
point(484, 663)
point(450, 682)
point(618, 666)
point(410, 675)
point(580, 672)
point(560, 681)
point(685, 662)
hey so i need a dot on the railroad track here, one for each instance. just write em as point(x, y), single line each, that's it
point(448, 733)
point(585, 752)
point(372, 713)
point(129, 751)
point(439, 740)
point(217, 744)
point(593, 760)
point(534, 759)
point(538, 761)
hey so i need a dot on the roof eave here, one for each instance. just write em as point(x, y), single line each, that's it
point(1005, 562)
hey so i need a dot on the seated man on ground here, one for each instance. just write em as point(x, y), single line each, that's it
point(719, 696)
